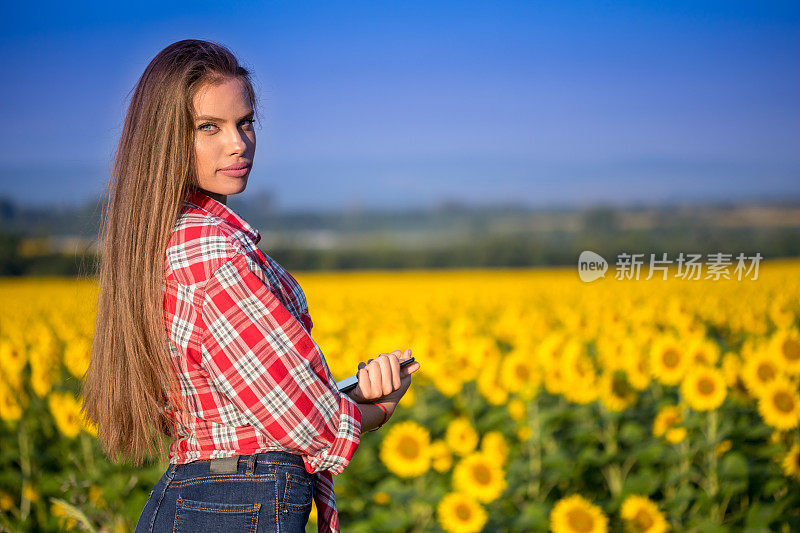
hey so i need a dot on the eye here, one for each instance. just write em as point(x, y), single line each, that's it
point(248, 121)
point(203, 126)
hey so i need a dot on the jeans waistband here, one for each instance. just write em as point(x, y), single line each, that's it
point(239, 463)
point(276, 455)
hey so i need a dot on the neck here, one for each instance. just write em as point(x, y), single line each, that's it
point(221, 198)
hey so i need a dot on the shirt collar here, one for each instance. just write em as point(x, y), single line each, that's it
point(210, 205)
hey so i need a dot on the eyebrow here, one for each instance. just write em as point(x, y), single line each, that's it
point(206, 117)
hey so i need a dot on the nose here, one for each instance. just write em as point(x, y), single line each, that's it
point(237, 142)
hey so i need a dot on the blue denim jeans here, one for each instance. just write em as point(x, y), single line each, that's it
point(270, 492)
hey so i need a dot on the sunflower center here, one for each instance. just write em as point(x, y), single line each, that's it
point(765, 372)
point(791, 349)
point(706, 387)
point(701, 357)
point(463, 512)
point(783, 402)
point(671, 358)
point(408, 447)
point(620, 387)
point(580, 520)
point(481, 474)
point(643, 520)
point(522, 372)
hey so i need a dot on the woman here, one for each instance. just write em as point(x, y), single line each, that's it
point(256, 424)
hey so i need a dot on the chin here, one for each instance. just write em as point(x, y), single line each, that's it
point(235, 188)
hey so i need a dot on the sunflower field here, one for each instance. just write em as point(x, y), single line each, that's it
point(542, 404)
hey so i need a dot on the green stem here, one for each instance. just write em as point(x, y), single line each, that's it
point(88, 456)
point(685, 462)
point(612, 471)
point(421, 519)
point(711, 460)
point(25, 464)
point(535, 449)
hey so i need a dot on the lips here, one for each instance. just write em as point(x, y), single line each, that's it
point(236, 166)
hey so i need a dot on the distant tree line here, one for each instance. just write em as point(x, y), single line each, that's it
point(518, 249)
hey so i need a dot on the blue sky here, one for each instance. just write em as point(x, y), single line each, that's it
point(396, 104)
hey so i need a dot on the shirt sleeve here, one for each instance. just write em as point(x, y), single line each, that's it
point(260, 358)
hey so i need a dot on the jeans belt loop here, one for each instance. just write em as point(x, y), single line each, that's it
point(251, 463)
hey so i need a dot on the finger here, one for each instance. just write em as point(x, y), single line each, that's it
point(410, 369)
point(386, 373)
point(406, 355)
point(395, 373)
point(375, 377)
point(363, 383)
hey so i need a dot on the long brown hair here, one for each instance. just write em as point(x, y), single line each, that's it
point(130, 380)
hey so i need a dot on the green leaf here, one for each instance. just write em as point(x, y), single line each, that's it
point(733, 466)
point(759, 517)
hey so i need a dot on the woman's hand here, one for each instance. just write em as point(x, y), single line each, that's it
point(381, 380)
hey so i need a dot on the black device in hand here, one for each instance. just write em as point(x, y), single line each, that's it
point(349, 383)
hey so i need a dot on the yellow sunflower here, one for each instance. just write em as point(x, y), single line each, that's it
point(6, 501)
point(76, 356)
point(460, 436)
point(490, 384)
point(460, 513)
point(13, 357)
point(616, 392)
point(520, 375)
point(642, 515)
point(406, 449)
point(580, 377)
point(675, 435)
point(668, 417)
point(791, 463)
point(731, 368)
point(447, 383)
point(494, 444)
point(703, 351)
point(703, 388)
point(10, 408)
point(760, 369)
point(785, 347)
point(554, 382)
point(440, 456)
point(549, 354)
point(723, 447)
point(781, 312)
point(575, 514)
point(668, 361)
point(44, 373)
point(65, 409)
point(479, 475)
point(779, 405)
point(637, 368)
point(517, 409)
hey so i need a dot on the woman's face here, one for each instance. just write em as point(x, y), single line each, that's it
point(225, 140)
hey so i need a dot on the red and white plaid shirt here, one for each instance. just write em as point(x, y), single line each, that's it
point(251, 376)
